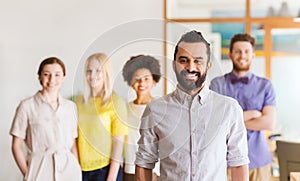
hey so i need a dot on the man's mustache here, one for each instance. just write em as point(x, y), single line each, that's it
point(185, 72)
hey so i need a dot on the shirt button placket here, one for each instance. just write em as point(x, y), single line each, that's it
point(193, 120)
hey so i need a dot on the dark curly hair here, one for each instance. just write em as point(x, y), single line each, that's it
point(139, 62)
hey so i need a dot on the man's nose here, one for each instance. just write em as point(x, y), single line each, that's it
point(243, 54)
point(191, 66)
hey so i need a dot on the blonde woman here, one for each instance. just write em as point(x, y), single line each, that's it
point(100, 118)
point(141, 72)
point(47, 124)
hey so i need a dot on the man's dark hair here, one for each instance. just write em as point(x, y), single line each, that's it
point(193, 37)
point(139, 62)
point(241, 37)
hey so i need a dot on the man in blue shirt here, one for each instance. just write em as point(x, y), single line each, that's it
point(257, 99)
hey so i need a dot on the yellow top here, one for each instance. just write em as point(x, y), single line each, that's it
point(96, 126)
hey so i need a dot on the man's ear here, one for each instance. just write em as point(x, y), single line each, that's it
point(209, 65)
point(229, 55)
point(174, 65)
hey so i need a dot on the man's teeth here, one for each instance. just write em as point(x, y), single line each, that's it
point(191, 75)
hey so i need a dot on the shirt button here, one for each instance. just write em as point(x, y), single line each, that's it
point(193, 175)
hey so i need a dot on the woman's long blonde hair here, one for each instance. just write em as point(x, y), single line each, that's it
point(106, 70)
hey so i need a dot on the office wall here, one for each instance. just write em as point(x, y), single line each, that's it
point(32, 30)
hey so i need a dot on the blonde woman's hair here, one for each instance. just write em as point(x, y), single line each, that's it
point(106, 70)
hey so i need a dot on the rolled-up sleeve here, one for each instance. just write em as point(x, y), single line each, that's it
point(147, 154)
point(237, 153)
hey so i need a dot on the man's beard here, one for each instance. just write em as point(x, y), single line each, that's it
point(190, 85)
point(241, 68)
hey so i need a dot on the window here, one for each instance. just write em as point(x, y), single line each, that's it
point(270, 22)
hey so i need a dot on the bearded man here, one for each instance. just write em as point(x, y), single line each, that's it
point(193, 131)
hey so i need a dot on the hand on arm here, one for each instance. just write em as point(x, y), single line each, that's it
point(251, 114)
point(240, 173)
point(116, 157)
point(143, 174)
point(17, 144)
point(265, 121)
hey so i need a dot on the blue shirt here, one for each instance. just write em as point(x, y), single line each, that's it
point(254, 95)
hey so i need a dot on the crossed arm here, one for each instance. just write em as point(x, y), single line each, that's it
point(264, 120)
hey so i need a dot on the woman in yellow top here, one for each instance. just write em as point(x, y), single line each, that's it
point(101, 116)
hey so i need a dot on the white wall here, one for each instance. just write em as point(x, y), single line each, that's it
point(32, 30)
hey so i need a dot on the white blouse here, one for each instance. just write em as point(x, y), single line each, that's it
point(135, 112)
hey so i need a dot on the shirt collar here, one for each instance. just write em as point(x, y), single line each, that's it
point(203, 94)
point(41, 100)
point(232, 75)
point(183, 96)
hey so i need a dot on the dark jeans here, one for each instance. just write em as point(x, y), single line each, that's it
point(99, 174)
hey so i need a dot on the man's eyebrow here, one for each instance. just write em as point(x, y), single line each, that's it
point(183, 57)
point(196, 58)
